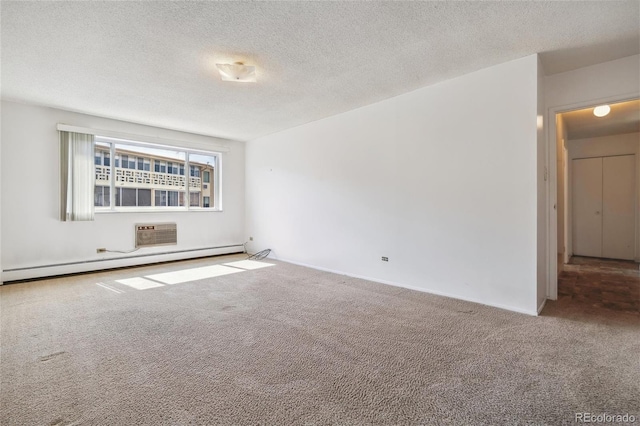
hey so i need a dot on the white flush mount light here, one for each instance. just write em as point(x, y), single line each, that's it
point(602, 110)
point(237, 72)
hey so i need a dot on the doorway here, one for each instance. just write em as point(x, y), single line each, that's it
point(598, 193)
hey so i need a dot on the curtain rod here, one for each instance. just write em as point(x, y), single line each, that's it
point(142, 138)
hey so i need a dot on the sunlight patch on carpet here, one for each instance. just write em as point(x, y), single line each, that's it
point(186, 275)
point(139, 283)
point(249, 264)
point(103, 285)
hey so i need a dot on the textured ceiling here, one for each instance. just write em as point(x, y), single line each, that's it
point(153, 62)
point(623, 118)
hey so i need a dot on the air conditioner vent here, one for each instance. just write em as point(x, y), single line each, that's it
point(156, 234)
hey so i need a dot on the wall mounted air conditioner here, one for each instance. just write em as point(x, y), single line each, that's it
point(156, 234)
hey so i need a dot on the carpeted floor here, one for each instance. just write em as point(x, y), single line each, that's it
point(288, 345)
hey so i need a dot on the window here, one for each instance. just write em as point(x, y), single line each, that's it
point(102, 196)
point(161, 166)
point(194, 199)
point(128, 196)
point(168, 199)
point(205, 166)
point(153, 177)
point(144, 197)
point(102, 156)
point(133, 197)
point(128, 162)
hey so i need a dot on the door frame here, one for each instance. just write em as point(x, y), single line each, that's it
point(552, 217)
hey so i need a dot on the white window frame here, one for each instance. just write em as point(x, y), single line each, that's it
point(216, 176)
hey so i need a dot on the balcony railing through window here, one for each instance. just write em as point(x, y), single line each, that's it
point(133, 178)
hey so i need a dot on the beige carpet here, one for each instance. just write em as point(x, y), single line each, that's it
point(289, 345)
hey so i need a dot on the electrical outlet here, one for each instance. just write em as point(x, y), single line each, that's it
point(385, 259)
point(101, 250)
point(250, 238)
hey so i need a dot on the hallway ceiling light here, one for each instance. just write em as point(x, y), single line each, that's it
point(601, 111)
point(237, 72)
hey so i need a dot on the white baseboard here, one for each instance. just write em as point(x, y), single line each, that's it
point(541, 307)
point(409, 287)
point(42, 271)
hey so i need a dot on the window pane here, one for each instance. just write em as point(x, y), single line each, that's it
point(101, 196)
point(107, 159)
point(173, 199)
point(203, 165)
point(128, 197)
point(144, 197)
point(161, 198)
point(102, 175)
point(140, 163)
point(194, 199)
point(117, 197)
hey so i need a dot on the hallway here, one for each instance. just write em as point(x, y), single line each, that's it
point(601, 283)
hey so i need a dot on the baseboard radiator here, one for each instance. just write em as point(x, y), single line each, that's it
point(92, 265)
point(156, 234)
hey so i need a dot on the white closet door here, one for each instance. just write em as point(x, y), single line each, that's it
point(587, 207)
point(618, 196)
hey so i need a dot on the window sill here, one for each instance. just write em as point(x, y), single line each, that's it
point(167, 210)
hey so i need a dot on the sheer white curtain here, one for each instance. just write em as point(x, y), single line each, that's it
point(77, 176)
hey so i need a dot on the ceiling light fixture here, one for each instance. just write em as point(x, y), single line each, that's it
point(237, 72)
point(601, 111)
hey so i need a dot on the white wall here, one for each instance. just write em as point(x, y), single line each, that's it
point(1, 278)
point(604, 146)
point(611, 79)
point(542, 180)
point(441, 180)
point(33, 235)
point(607, 146)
